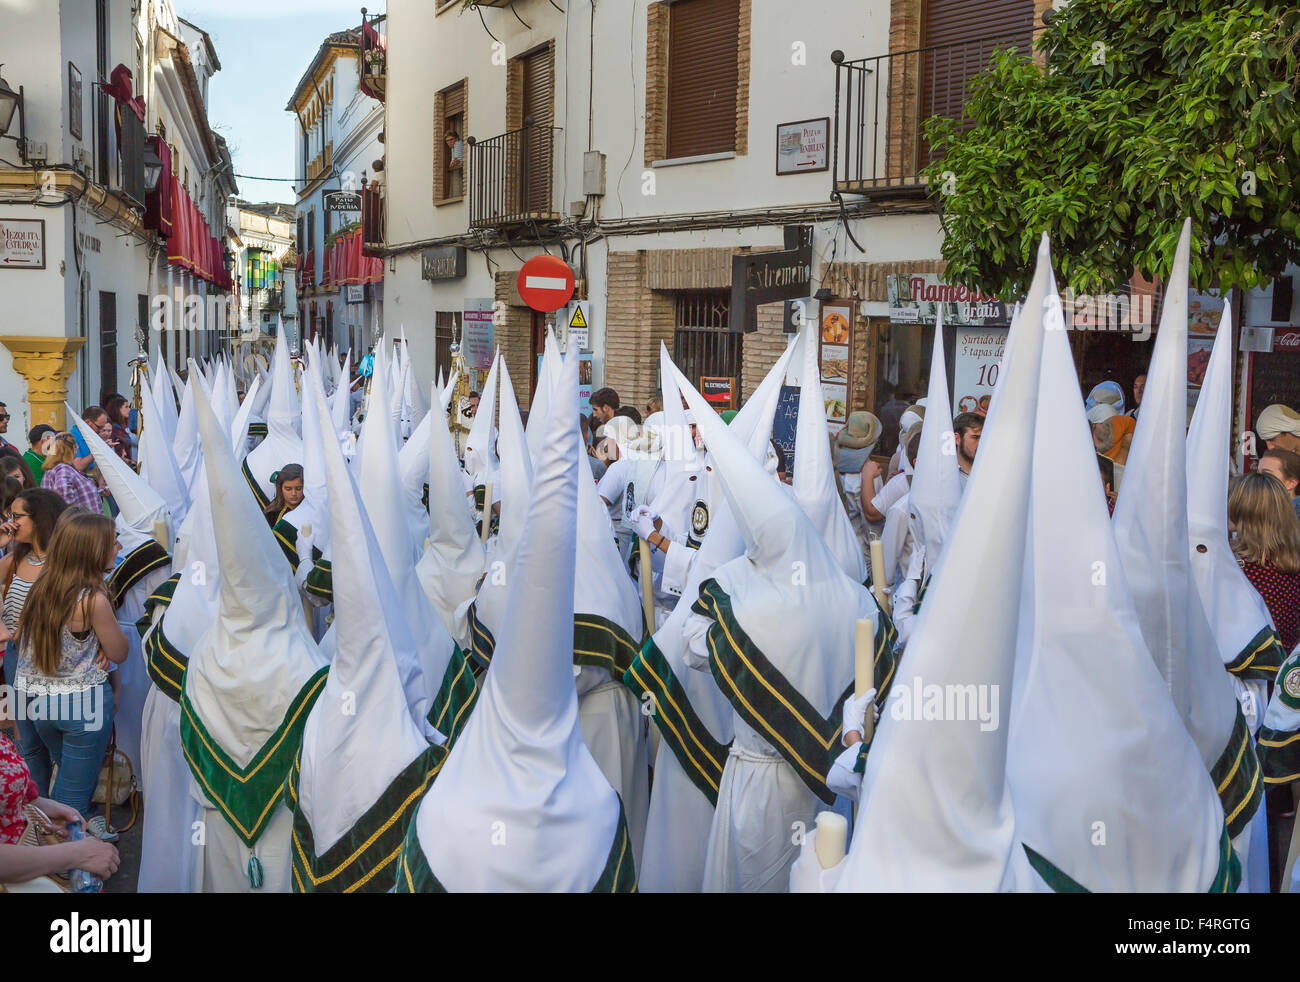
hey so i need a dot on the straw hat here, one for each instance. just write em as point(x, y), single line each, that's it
point(861, 430)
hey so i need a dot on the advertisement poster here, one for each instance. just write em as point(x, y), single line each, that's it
point(477, 334)
point(836, 362)
point(916, 298)
point(977, 357)
point(584, 384)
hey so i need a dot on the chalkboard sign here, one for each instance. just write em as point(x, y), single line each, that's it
point(785, 423)
point(1274, 378)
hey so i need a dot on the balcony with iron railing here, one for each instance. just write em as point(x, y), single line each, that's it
point(878, 144)
point(511, 178)
point(374, 56)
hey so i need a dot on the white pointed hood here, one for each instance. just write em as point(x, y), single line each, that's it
point(360, 735)
point(243, 417)
point(186, 444)
point(448, 390)
point(413, 466)
point(1090, 709)
point(141, 506)
point(257, 656)
point(1151, 528)
point(193, 608)
point(935, 491)
point(540, 408)
point(814, 474)
point(480, 456)
point(157, 462)
point(1235, 609)
point(283, 443)
point(341, 401)
point(314, 508)
point(385, 504)
point(935, 811)
point(452, 563)
point(521, 760)
point(164, 399)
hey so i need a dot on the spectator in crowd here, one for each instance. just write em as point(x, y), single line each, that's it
point(68, 639)
point(455, 163)
point(1266, 541)
point(288, 481)
point(1111, 433)
point(1109, 393)
point(853, 448)
point(966, 429)
point(39, 439)
point(603, 403)
point(1139, 384)
point(1285, 466)
point(911, 420)
point(655, 404)
point(630, 412)
point(20, 863)
point(119, 416)
point(65, 480)
point(875, 505)
point(4, 426)
point(1279, 426)
point(473, 404)
point(10, 488)
point(13, 464)
point(29, 526)
point(597, 465)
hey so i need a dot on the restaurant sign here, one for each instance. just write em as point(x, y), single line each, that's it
point(916, 298)
point(765, 277)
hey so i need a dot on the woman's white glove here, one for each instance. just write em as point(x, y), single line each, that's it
point(854, 714)
point(643, 520)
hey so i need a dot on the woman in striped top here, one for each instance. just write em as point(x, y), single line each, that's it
point(1267, 544)
point(30, 521)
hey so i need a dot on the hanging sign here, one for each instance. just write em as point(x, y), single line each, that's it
point(579, 324)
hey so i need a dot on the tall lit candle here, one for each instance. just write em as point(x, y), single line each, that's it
point(160, 533)
point(832, 839)
point(865, 667)
point(487, 511)
point(647, 584)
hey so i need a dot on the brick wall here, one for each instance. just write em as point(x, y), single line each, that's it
point(514, 336)
point(637, 318)
point(742, 81)
point(904, 35)
point(656, 83)
point(866, 281)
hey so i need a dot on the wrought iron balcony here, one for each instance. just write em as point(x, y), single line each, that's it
point(882, 104)
point(512, 178)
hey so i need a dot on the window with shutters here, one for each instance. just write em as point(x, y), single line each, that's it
point(446, 328)
point(450, 116)
point(697, 79)
point(703, 344)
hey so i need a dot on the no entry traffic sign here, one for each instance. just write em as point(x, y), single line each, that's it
point(546, 283)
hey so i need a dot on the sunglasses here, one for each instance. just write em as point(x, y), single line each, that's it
point(4, 416)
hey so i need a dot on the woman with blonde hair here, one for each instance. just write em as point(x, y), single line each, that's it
point(1266, 542)
point(63, 478)
point(68, 637)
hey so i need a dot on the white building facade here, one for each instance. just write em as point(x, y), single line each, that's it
point(83, 271)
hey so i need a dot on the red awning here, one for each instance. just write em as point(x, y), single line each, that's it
point(158, 202)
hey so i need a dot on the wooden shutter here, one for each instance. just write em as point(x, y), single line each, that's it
point(703, 74)
point(107, 345)
point(453, 102)
point(538, 93)
point(960, 36)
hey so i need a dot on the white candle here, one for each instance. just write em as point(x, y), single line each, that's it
point(832, 839)
point(878, 574)
point(160, 532)
point(865, 663)
point(487, 511)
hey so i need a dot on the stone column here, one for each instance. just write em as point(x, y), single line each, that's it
point(46, 364)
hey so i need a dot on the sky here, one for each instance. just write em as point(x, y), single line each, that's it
point(264, 47)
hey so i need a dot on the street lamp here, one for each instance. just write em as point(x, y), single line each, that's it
point(11, 101)
point(153, 165)
point(228, 258)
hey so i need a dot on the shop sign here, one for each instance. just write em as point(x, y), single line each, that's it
point(765, 277)
point(446, 263)
point(916, 298)
point(977, 360)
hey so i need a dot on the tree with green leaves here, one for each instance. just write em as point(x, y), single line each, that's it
point(1146, 113)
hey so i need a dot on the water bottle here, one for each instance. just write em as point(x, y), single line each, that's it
point(78, 879)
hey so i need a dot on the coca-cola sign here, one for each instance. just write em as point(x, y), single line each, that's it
point(1287, 342)
point(915, 298)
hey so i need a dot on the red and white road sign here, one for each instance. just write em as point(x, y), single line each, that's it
point(546, 283)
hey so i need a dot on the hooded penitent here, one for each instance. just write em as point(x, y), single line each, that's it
point(539, 411)
point(1151, 527)
point(164, 399)
point(283, 443)
point(452, 563)
point(249, 684)
point(341, 401)
point(694, 718)
point(934, 812)
point(480, 452)
point(364, 761)
point(520, 804)
point(413, 470)
point(243, 419)
point(935, 491)
point(1108, 789)
point(185, 446)
point(814, 475)
point(303, 532)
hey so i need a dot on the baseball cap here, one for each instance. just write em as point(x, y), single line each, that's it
point(1276, 419)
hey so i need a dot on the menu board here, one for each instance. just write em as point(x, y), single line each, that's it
point(836, 359)
point(785, 423)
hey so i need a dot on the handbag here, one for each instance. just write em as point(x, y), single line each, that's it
point(116, 784)
point(39, 832)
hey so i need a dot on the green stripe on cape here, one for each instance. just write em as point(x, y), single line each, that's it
point(1261, 658)
point(618, 876)
point(263, 502)
point(165, 663)
point(768, 702)
point(246, 796)
point(1226, 879)
point(364, 859)
point(161, 597)
point(1237, 778)
point(455, 699)
point(139, 563)
point(597, 641)
point(701, 755)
